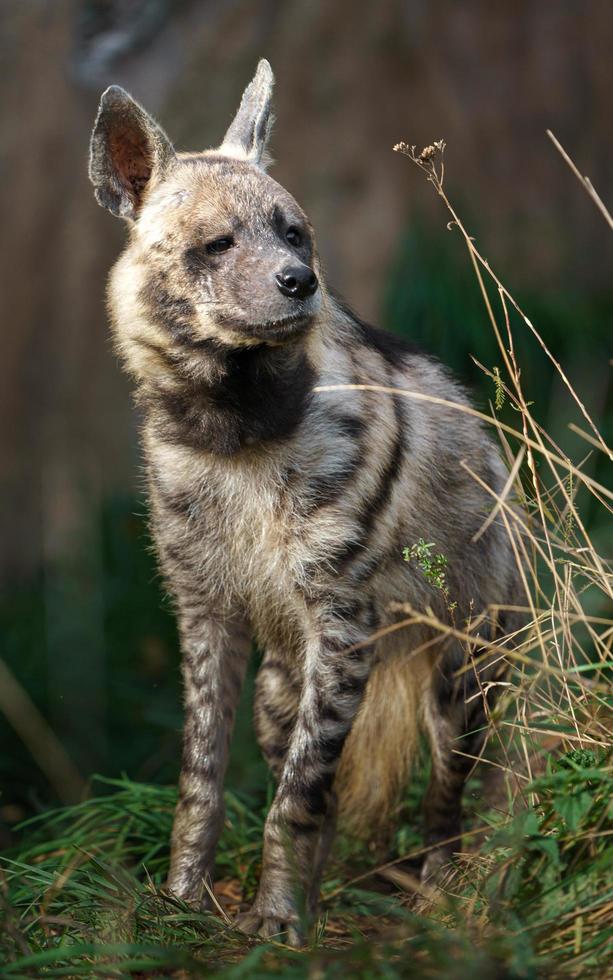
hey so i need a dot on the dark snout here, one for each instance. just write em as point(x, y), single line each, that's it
point(297, 281)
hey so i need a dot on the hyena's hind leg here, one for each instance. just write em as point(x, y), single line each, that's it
point(277, 696)
point(456, 715)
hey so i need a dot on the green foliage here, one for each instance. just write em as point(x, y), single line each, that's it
point(81, 895)
point(499, 388)
point(432, 565)
point(83, 889)
point(551, 874)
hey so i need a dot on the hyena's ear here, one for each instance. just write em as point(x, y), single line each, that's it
point(127, 150)
point(248, 135)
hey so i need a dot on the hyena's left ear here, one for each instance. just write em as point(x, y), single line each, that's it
point(127, 150)
point(248, 135)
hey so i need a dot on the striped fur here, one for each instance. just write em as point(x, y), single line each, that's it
point(281, 512)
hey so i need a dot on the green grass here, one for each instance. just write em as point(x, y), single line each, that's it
point(81, 894)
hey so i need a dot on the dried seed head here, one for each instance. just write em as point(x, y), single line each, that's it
point(429, 151)
point(425, 155)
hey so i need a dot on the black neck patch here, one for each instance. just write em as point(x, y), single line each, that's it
point(260, 395)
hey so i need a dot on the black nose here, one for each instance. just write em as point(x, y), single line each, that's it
point(297, 281)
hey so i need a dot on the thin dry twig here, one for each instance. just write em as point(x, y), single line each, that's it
point(585, 181)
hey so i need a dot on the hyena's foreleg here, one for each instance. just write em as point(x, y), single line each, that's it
point(214, 659)
point(299, 826)
point(277, 698)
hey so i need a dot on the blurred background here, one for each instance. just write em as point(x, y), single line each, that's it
point(89, 678)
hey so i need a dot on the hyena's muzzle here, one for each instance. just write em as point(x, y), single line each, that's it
point(297, 281)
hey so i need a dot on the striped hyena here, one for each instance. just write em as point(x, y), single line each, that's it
point(281, 510)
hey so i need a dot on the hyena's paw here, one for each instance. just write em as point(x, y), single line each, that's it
point(195, 890)
point(272, 922)
point(437, 867)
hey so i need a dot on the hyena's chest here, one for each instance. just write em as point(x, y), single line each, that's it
point(262, 524)
point(228, 527)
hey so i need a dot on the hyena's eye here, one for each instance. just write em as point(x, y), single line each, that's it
point(293, 236)
point(220, 245)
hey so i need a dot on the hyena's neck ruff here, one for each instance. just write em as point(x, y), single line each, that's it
point(221, 400)
point(281, 511)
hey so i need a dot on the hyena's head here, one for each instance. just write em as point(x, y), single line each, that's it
point(218, 252)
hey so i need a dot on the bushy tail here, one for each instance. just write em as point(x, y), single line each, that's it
point(383, 743)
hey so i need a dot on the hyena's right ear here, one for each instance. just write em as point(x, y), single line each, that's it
point(127, 150)
point(250, 129)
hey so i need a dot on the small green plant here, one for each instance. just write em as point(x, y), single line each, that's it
point(432, 565)
point(499, 400)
